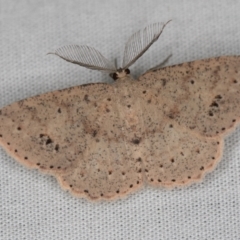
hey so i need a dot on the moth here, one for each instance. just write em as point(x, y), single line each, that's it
point(104, 141)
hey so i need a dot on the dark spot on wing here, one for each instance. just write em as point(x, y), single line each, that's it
point(86, 99)
point(136, 140)
point(94, 133)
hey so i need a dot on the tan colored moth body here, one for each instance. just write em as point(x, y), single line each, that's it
point(102, 141)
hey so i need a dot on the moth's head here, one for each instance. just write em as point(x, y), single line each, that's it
point(120, 73)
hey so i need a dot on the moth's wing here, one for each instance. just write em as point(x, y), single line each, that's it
point(76, 135)
point(109, 166)
point(183, 140)
point(203, 95)
point(174, 155)
point(169, 154)
point(85, 56)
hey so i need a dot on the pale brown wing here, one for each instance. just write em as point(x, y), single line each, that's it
point(164, 152)
point(109, 168)
point(174, 155)
point(76, 135)
point(203, 95)
point(187, 110)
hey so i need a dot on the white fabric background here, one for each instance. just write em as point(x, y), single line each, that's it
point(32, 205)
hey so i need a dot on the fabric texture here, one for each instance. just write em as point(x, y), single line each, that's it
point(32, 205)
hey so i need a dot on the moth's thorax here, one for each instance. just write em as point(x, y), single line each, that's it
point(124, 81)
